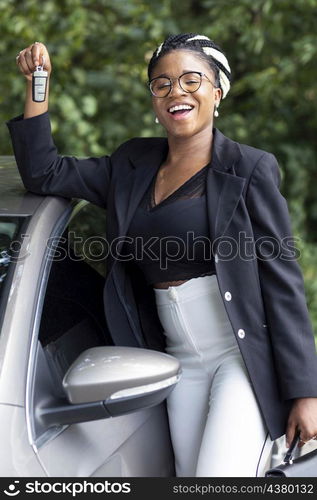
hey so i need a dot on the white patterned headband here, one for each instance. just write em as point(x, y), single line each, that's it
point(218, 57)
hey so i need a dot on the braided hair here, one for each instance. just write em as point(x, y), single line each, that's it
point(205, 48)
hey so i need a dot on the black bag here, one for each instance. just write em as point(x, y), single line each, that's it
point(304, 466)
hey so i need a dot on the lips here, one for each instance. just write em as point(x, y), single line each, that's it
point(179, 110)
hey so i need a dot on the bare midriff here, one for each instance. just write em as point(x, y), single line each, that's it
point(166, 284)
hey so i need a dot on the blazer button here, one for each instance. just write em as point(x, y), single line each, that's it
point(216, 258)
point(241, 333)
point(173, 294)
point(228, 296)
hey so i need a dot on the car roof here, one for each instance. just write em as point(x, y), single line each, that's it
point(14, 198)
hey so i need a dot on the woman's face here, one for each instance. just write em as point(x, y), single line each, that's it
point(200, 117)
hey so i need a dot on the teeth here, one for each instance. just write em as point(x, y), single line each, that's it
point(178, 108)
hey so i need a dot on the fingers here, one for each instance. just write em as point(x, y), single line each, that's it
point(301, 442)
point(26, 61)
point(38, 50)
point(23, 65)
point(29, 61)
point(303, 417)
point(305, 437)
point(31, 57)
point(290, 433)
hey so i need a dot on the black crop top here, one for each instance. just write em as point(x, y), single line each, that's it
point(170, 241)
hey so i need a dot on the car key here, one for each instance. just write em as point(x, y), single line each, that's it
point(39, 83)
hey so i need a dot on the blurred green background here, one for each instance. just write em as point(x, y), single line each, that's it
point(99, 98)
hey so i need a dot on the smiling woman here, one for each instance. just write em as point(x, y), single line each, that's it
point(197, 265)
point(193, 113)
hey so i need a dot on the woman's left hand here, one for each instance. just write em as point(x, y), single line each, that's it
point(303, 416)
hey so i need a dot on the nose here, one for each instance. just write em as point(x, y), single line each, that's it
point(176, 88)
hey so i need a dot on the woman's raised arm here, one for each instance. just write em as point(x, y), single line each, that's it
point(42, 169)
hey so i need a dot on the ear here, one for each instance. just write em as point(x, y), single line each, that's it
point(218, 95)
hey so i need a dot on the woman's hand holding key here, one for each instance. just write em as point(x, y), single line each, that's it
point(28, 60)
point(31, 57)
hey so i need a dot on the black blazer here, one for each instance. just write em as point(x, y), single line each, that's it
point(248, 222)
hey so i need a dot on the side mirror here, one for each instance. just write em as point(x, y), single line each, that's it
point(111, 381)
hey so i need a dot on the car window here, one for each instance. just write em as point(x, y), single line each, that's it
point(86, 235)
point(73, 313)
point(10, 242)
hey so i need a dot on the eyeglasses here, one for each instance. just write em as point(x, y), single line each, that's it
point(189, 82)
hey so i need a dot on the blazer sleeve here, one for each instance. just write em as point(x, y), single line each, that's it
point(44, 171)
point(281, 282)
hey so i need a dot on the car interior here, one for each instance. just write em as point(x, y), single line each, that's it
point(72, 318)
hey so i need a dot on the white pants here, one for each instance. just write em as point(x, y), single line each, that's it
point(216, 426)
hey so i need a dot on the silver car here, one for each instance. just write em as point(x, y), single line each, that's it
point(71, 403)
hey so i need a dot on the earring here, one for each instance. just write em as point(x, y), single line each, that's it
point(156, 120)
point(216, 112)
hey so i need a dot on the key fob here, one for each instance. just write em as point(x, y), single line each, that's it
point(39, 84)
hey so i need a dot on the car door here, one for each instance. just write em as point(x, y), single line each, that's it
point(71, 319)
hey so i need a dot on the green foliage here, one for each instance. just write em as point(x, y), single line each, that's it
point(99, 98)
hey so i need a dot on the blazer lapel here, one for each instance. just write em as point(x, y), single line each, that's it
point(129, 192)
point(224, 187)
